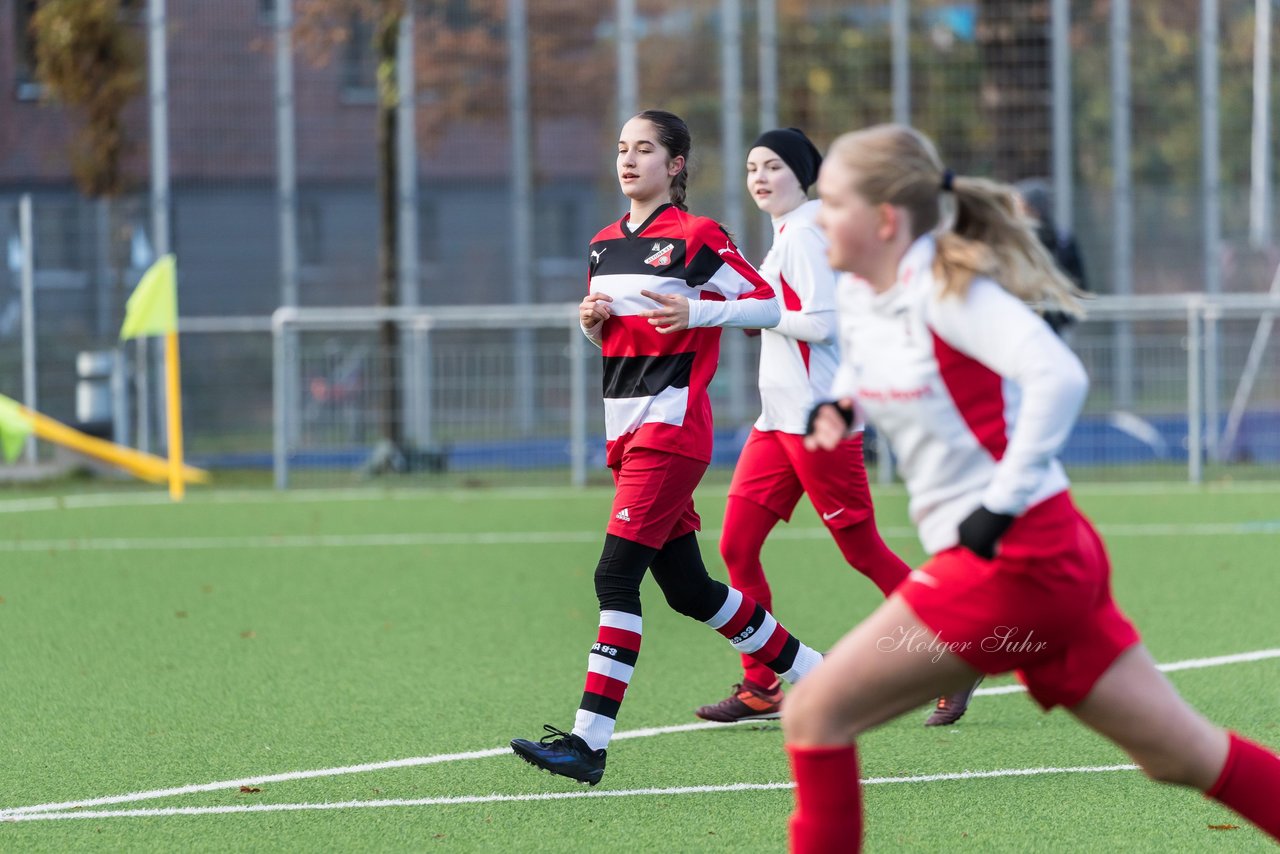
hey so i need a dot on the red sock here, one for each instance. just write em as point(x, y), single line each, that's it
point(828, 816)
point(746, 525)
point(866, 552)
point(1250, 785)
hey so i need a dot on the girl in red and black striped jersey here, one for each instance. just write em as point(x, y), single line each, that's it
point(662, 282)
point(976, 394)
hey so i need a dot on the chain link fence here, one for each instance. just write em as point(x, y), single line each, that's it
point(257, 158)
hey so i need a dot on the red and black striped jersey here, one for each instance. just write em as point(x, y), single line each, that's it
point(655, 384)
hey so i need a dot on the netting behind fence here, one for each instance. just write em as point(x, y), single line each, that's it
point(273, 153)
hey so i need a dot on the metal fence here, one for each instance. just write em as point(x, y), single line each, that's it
point(255, 159)
point(467, 411)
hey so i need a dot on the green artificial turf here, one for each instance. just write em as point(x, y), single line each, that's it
point(148, 646)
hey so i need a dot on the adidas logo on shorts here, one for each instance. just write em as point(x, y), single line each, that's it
point(622, 515)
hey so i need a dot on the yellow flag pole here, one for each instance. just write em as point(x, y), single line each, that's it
point(173, 398)
point(146, 466)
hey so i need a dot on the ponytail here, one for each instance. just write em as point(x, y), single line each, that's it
point(987, 235)
point(679, 188)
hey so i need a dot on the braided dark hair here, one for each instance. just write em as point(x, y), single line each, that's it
point(674, 136)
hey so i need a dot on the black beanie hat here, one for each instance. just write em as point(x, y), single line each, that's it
point(796, 151)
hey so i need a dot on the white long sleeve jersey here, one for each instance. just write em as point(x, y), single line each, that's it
point(798, 357)
point(976, 394)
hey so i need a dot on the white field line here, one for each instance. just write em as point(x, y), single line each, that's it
point(300, 541)
point(1171, 667)
point(100, 500)
point(543, 796)
point(90, 501)
point(287, 776)
point(133, 797)
point(533, 538)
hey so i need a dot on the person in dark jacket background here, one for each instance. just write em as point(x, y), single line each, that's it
point(1037, 199)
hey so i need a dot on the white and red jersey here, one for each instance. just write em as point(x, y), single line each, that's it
point(655, 384)
point(976, 394)
point(798, 357)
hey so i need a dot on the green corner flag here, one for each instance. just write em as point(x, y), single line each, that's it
point(153, 308)
point(15, 427)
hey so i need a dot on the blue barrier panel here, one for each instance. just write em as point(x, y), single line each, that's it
point(1095, 441)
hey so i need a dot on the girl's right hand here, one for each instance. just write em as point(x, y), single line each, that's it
point(594, 309)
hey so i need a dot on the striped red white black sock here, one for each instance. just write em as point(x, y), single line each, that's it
point(754, 632)
point(609, 668)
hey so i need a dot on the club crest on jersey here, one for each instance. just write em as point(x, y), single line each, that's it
point(660, 255)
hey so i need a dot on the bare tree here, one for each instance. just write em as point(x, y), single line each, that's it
point(88, 58)
point(461, 65)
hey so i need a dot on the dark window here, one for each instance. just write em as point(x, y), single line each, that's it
point(133, 11)
point(24, 51)
point(62, 235)
point(359, 65)
point(310, 234)
point(558, 235)
point(459, 14)
point(428, 231)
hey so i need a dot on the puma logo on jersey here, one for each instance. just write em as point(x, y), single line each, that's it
point(622, 515)
point(597, 253)
point(660, 255)
point(727, 250)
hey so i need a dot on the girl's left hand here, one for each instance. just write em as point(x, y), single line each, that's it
point(673, 316)
point(828, 425)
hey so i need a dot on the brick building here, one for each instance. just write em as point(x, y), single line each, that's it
point(222, 145)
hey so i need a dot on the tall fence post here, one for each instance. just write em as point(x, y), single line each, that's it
point(1210, 188)
point(420, 373)
point(1195, 392)
point(286, 155)
point(1063, 177)
point(577, 406)
point(767, 57)
point(732, 185)
point(767, 53)
point(158, 90)
point(407, 216)
point(1212, 376)
point(1122, 198)
point(281, 397)
point(900, 36)
point(1260, 157)
point(523, 260)
point(26, 236)
point(628, 64)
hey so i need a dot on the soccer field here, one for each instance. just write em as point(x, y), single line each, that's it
point(343, 671)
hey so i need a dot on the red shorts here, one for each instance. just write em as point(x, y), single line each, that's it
point(653, 500)
point(774, 470)
point(1042, 608)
